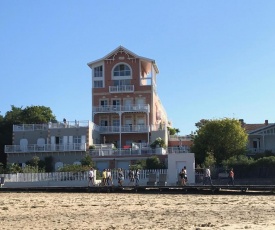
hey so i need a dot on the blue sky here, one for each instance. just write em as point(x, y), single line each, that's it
point(216, 58)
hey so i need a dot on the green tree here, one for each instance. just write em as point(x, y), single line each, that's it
point(154, 163)
point(87, 161)
point(224, 138)
point(18, 115)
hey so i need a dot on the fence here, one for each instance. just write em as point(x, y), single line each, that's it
point(72, 176)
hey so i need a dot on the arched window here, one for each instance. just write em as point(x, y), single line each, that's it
point(122, 70)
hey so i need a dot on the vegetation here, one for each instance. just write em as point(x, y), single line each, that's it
point(18, 115)
point(154, 163)
point(173, 131)
point(222, 138)
point(158, 143)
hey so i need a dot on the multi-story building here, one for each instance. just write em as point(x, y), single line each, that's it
point(66, 142)
point(125, 103)
point(127, 116)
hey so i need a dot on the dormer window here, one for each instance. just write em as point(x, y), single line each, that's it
point(122, 70)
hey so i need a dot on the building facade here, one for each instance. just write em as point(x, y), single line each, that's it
point(125, 103)
point(127, 116)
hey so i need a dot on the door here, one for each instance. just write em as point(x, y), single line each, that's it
point(127, 104)
point(128, 124)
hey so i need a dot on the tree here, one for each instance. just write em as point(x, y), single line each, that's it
point(173, 131)
point(87, 161)
point(223, 138)
point(154, 163)
point(18, 115)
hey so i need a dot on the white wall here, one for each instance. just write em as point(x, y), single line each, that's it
point(176, 162)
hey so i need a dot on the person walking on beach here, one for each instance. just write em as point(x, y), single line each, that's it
point(131, 177)
point(120, 177)
point(137, 173)
point(91, 177)
point(182, 177)
point(185, 175)
point(109, 177)
point(104, 177)
point(231, 177)
point(207, 176)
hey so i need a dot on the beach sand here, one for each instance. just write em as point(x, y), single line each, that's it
point(135, 211)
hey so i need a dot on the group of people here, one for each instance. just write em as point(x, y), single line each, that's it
point(107, 177)
point(207, 177)
point(134, 175)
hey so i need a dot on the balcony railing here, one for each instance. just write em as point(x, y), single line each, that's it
point(120, 108)
point(121, 89)
point(132, 152)
point(50, 125)
point(45, 148)
point(125, 129)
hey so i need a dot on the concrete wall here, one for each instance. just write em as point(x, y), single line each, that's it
point(176, 162)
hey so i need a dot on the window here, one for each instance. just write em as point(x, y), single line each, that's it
point(116, 102)
point(98, 84)
point(77, 139)
point(98, 71)
point(115, 122)
point(122, 70)
point(122, 82)
point(104, 103)
point(103, 123)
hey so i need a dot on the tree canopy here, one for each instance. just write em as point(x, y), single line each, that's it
point(222, 138)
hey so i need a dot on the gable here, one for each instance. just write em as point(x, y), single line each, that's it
point(121, 54)
point(267, 130)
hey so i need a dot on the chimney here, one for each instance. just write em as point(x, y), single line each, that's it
point(266, 122)
point(241, 121)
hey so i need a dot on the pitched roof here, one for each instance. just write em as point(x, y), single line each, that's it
point(265, 127)
point(126, 51)
point(251, 127)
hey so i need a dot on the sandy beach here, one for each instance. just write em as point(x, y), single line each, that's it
point(135, 211)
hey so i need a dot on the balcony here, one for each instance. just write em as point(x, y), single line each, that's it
point(45, 148)
point(50, 125)
point(124, 129)
point(121, 89)
point(119, 108)
point(134, 152)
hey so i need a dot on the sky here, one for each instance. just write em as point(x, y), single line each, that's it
point(216, 58)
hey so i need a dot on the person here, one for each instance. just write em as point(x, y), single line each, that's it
point(182, 177)
point(131, 177)
point(137, 173)
point(231, 177)
point(120, 177)
point(109, 177)
point(91, 177)
point(104, 177)
point(207, 176)
point(185, 174)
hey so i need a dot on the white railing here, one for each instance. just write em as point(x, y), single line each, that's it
point(119, 108)
point(74, 176)
point(125, 129)
point(180, 138)
point(137, 151)
point(50, 125)
point(121, 89)
point(45, 148)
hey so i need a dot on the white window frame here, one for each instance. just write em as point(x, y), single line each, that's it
point(122, 77)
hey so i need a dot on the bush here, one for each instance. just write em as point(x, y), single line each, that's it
point(158, 143)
